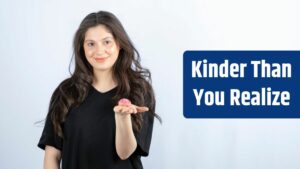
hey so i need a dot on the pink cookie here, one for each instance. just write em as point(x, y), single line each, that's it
point(124, 102)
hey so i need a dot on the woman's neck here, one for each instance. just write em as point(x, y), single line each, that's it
point(103, 80)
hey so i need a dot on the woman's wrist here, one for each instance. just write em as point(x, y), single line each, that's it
point(122, 116)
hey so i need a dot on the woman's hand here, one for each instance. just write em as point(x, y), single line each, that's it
point(125, 140)
point(125, 107)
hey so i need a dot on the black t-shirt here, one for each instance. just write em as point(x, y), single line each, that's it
point(89, 132)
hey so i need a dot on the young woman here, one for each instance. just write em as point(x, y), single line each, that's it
point(89, 125)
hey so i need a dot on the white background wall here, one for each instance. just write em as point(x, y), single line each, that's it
point(35, 50)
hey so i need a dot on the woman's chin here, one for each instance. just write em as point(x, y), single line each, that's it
point(101, 68)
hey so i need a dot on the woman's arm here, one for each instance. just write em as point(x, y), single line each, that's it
point(52, 158)
point(125, 140)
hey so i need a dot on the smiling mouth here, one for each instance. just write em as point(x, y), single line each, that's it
point(101, 59)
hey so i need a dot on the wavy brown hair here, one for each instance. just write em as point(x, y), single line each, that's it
point(134, 81)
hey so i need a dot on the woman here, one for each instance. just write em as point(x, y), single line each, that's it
point(89, 125)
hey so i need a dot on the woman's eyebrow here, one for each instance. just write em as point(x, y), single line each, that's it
point(108, 37)
point(88, 40)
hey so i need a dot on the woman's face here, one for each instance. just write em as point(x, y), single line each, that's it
point(100, 48)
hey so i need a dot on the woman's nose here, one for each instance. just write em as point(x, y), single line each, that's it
point(100, 50)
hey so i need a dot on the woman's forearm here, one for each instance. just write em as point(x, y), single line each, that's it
point(125, 139)
point(52, 158)
point(51, 164)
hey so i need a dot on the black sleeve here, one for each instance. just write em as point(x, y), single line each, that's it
point(143, 138)
point(49, 137)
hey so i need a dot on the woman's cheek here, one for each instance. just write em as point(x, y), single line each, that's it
point(109, 51)
point(89, 53)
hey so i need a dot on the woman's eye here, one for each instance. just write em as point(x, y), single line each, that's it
point(90, 44)
point(106, 42)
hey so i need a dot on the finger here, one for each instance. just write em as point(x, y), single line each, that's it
point(127, 110)
point(141, 109)
point(120, 109)
point(133, 109)
point(117, 109)
point(124, 110)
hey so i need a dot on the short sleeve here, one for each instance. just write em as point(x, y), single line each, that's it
point(49, 137)
point(143, 138)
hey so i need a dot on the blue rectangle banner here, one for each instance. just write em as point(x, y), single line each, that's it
point(241, 84)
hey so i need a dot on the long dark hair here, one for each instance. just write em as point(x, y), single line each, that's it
point(134, 81)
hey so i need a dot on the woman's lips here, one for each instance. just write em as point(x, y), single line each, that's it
point(101, 59)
